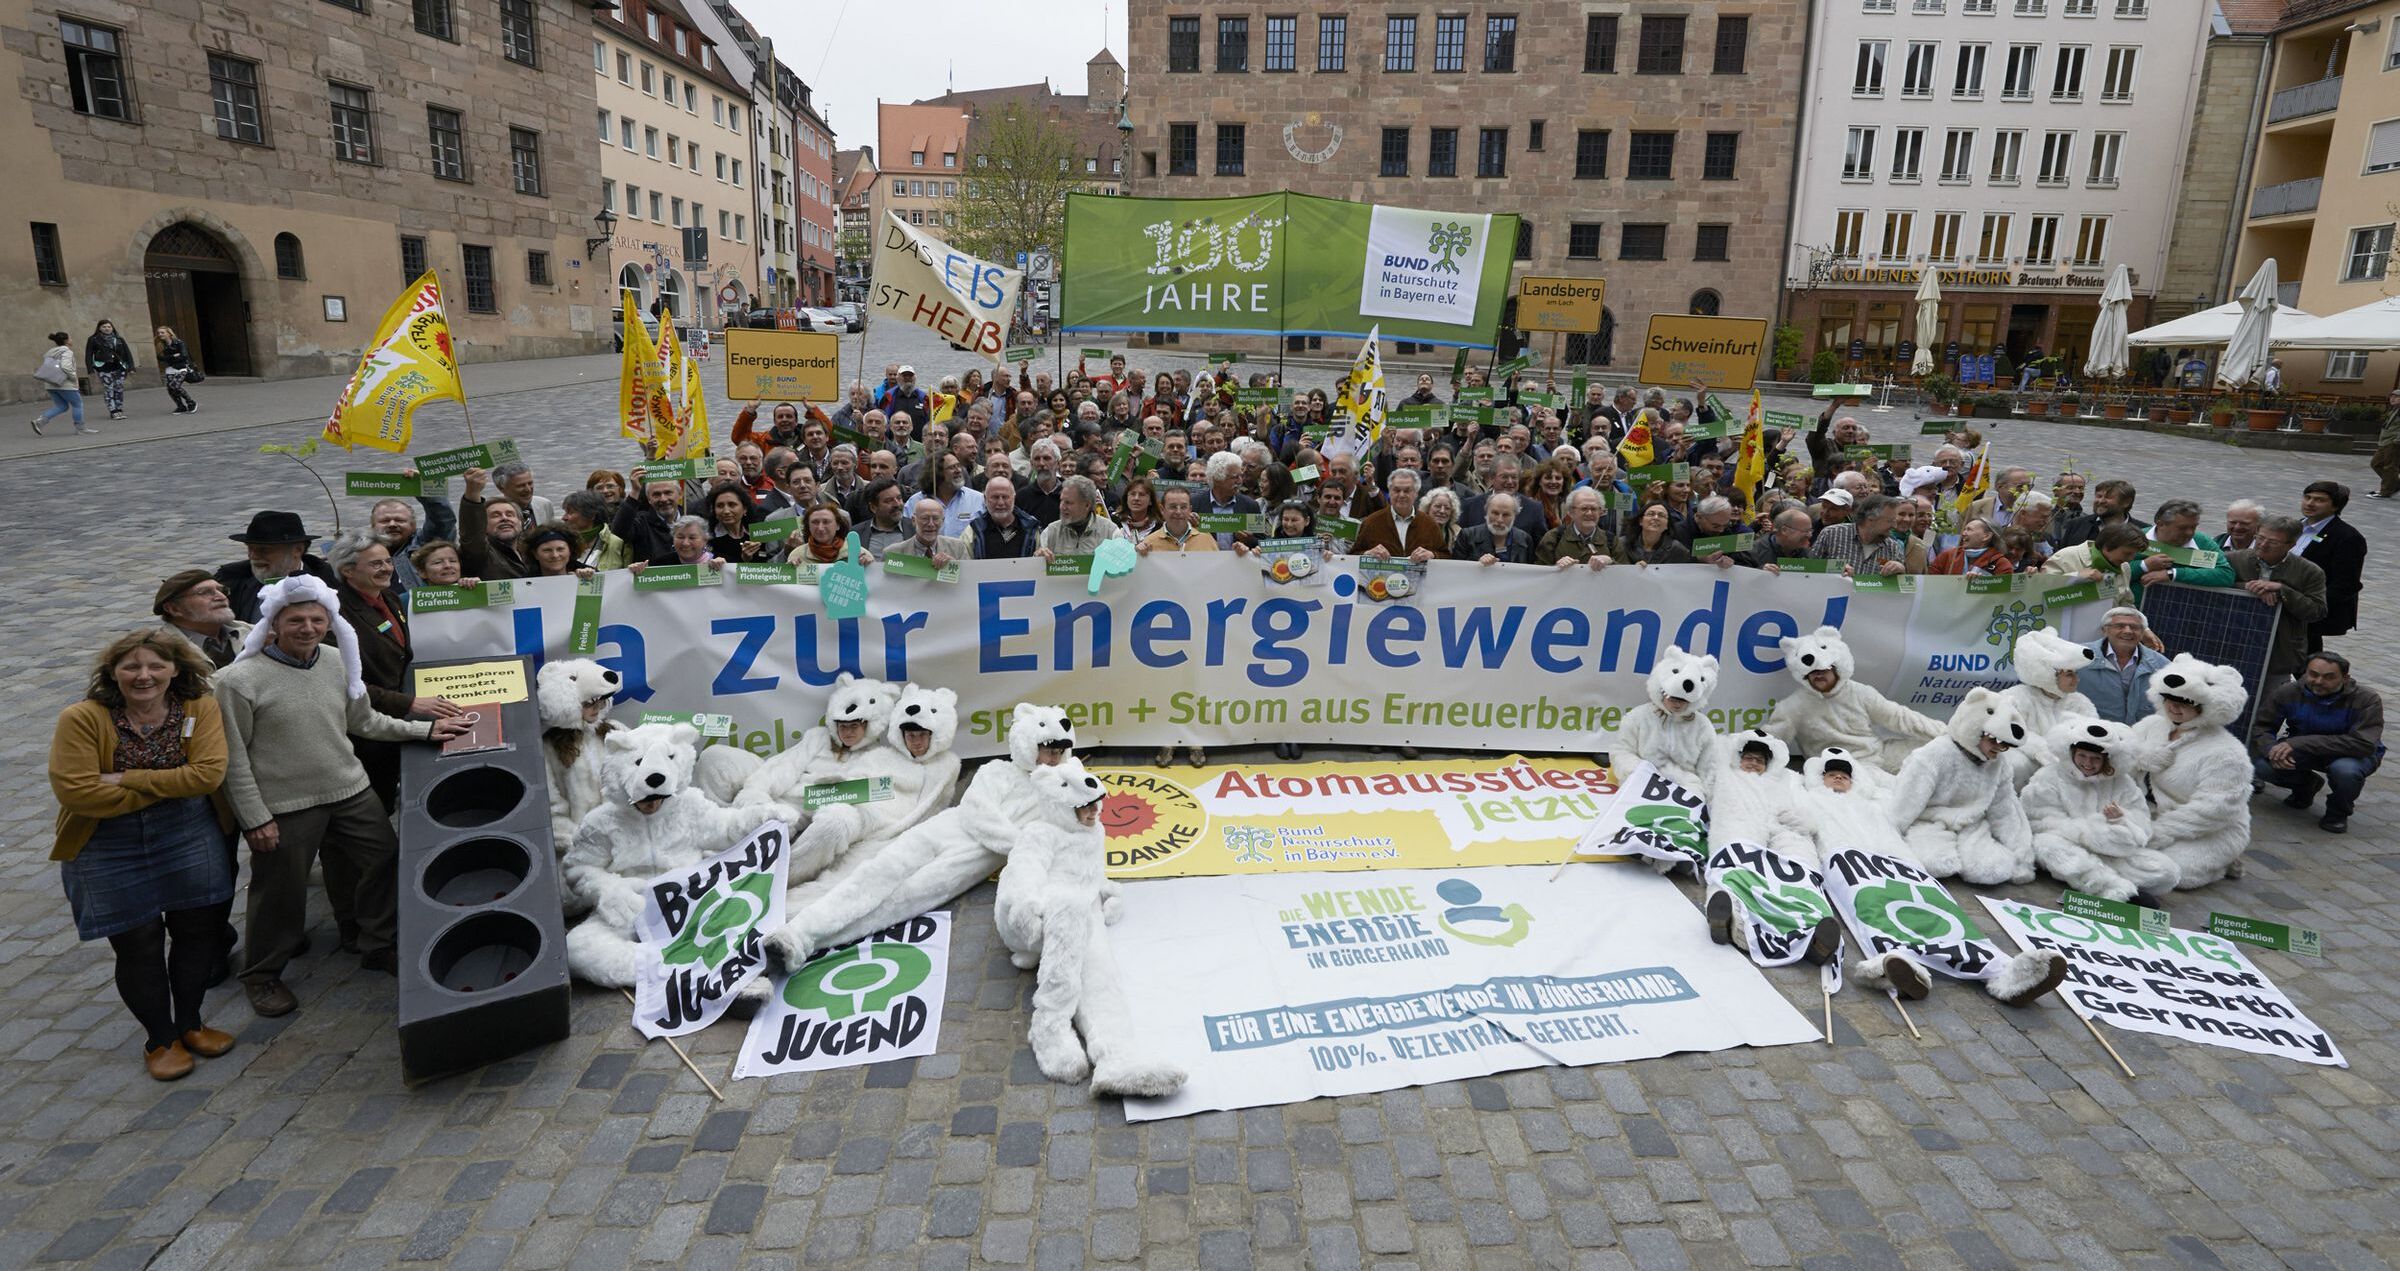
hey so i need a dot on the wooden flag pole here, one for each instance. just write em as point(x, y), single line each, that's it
point(1828, 1013)
point(687, 1059)
point(1903, 1009)
point(2112, 1051)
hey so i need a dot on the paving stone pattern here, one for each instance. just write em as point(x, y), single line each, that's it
point(2003, 1139)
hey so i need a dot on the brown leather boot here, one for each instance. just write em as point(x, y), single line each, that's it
point(170, 1062)
point(206, 1042)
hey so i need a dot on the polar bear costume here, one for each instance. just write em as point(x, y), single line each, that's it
point(916, 756)
point(855, 715)
point(1062, 859)
point(651, 820)
point(1678, 741)
point(1855, 717)
point(1855, 818)
point(574, 695)
point(934, 861)
point(2042, 656)
point(1955, 804)
point(2199, 773)
point(2073, 837)
point(1764, 810)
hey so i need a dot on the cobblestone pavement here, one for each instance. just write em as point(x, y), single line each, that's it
point(2003, 1139)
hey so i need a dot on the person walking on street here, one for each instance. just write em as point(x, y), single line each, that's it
point(2386, 462)
point(175, 367)
point(110, 358)
point(57, 374)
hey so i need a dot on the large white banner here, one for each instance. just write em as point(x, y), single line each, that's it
point(2185, 984)
point(1283, 987)
point(1205, 650)
point(922, 280)
point(1423, 265)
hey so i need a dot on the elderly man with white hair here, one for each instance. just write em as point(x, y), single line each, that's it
point(2241, 525)
point(925, 537)
point(1224, 495)
point(2117, 681)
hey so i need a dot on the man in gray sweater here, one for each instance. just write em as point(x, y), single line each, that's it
point(291, 703)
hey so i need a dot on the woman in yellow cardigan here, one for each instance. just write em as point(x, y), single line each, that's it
point(142, 829)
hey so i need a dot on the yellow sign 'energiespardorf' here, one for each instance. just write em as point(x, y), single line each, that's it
point(791, 365)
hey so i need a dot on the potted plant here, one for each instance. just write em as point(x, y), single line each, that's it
point(2037, 407)
point(1787, 350)
point(2313, 422)
point(1941, 390)
point(2222, 411)
point(2070, 404)
point(1994, 405)
point(2266, 418)
point(1825, 367)
point(2113, 407)
point(2357, 418)
point(2181, 412)
point(2156, 413)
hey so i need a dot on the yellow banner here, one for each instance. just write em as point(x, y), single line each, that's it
point(1718, 352)
point(1572, 305)
point(692, 407)
point(800, 366)
point(408, 364)
point(1310, 817)
point(642, 400)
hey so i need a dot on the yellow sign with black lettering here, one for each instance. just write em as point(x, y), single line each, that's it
point(1719, 352)
point(1560, 304)
point(800, 366)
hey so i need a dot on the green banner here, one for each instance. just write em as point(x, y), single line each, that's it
point(2082, 593)
point(1789, 421)
point(1804, 565)
point(1304, 475)
point(2192, 557)
point(1668, 472)
point(767, 573)
point(1877, 582)
point(1510, 367)
point(1427, 415)
point(1994, 584)
point(1480, 416)
point(1477, 395)
point(386, 484)
point(682, 469)
point(2150, 922)
point(774, 529)
point(430, 598)
point(1935, 428)
point(675, 577)
point(1341, 527)
point(709, 725)
point(1876, 452)
point(1843, 390)
point(1230, 523)
point(449, 463)
point(855, 790)
point(1068, 566)
point(583, 635)
point(2307, 941)
point(1554, 401)
point(1715, 428)
point(1582, 386)
point(1285, 264)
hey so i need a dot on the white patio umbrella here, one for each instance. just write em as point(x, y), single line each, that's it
point(2208, 327)
point(1929, 319)
point(2370, 328)
point(2109, 353)
point(2246, 351)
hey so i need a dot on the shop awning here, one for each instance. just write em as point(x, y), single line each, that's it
point(2209, 326)
point(2370, 328)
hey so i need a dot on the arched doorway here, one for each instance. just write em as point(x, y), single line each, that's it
point(629, 279)
point(195, 287)
point(670, 290)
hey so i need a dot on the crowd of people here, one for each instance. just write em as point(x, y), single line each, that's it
point(108, 359)
point(277, 726)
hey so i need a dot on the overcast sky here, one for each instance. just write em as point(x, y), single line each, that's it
point(851, 52)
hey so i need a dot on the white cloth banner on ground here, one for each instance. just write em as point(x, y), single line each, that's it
point(1650, 817)
point(868, 1001)
point(1781, 900)
point(1203, 650)
point(1890, 904)
point(923, 281)
point(1277, 988)
point(702, 929)
point(2185, 984)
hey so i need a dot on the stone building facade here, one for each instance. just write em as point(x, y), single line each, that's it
point(1646, 144)
point(265, 176)
point(2207, 222)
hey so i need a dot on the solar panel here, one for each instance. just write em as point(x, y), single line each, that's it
point(2225, 625)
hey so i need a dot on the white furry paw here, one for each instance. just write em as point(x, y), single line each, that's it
point(1058, 1054)
point(1024, 961)
point(787, 950)
point(1112, 901)
point(2028, 976)
point(1143, 1081)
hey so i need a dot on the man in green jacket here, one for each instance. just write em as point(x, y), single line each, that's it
point(2387, 449)
point(2177, 527)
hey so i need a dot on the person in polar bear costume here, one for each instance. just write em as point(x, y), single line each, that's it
point(2044, 697)
point(2199, 774)
point(1672, 733)
point(2091, 824)
point(934, 861)
point(650, 821)
point(1832, 709)
point(1755, 799)
point(574, 695)
point(1050, 889)
point(1842, 796)
point(915, 755)
point(1953, 800)
point(855, 716)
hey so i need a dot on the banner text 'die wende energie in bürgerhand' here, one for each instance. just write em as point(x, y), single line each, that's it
point(1207, 650)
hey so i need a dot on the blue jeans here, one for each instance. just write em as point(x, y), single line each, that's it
point(64, 401)
point(2347, 776)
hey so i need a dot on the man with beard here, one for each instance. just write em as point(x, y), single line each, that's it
point(394, 524)
point(274, 547)
point(487, 532)
point(194, 606)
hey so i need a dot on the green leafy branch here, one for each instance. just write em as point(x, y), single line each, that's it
point(299, 453)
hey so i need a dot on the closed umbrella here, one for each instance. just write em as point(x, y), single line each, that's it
point(2246, 352)
point(1929, 318)
point(2108, 335)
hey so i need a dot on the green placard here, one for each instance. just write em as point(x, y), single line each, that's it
point(708, 724)
point(1719, 427)
point(1223, 359)
point(1022, 353)
point(1935, 428)
point(1878, 452)
point(1511, 367)
point(1474, 396)
point(1729, 544)
point(385, 484)
point(753, 574)
point(2193, 557)
point(1341, 527)
point(669, 577)
point(1843, 390)
point(1994, 584)
point(1803, 565)
point(1874, 582)
point(1302, 476)
point(449, 463)
point(1229, 523)
point(774, 529)
point(677, 469)
point(430, 598)
point(1257, 396)
point(1788, 420)
point(1554, 401)
point(1668, 472)
point(583, 635)
point(1089, 354)
point(1423, 415)
point(1480, 416)
point(855, 790)
point(1069, 566)
point(1581, 388)
point(844, 432)
point(2307, 941)
point(911, 565)
point(2082, 593)
point(2148, 921)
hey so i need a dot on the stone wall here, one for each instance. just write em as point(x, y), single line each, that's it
point(2213, 168)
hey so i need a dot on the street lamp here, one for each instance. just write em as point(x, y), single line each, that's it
point(607, 221)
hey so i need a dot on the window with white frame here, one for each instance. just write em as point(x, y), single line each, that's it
point(1992, 247)
point(1866, 80)
point(1878, 6)
point(2041, 240)
point(2079, 8)
point(1908, 155)
point(1944, 247)
point(2008, 151)
point(2017, 85)
point(2370, 249)
point(2058, 157)
point(2032, 8)
point(2349, 365)
point(1966, 82)
point(2116, 83)
point(2383, 146)
point(2133, 8)
point(1848, 225)
point(1858, 157)
point(1897, 227)
point(1916, 73)
point(1934, 7)
point(1958, 155)
point(2091, 242)
point(1976, 7)
point(2066, 78)
point(2102, 173)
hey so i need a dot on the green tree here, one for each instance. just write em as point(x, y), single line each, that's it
point(1014, 194)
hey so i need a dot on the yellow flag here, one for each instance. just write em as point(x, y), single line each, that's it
point(1977, 484)
point(1750, 462)
point(408, 364)
point(694, 410)
point(638, 383)
point(1636, 451)
point(1359, 398)
point(666, 395)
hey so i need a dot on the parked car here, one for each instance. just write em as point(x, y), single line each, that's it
point(853, 314)
point(814, 319)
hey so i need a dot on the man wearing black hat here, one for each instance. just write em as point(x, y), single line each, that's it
point(193, 604)
point(277, 546)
